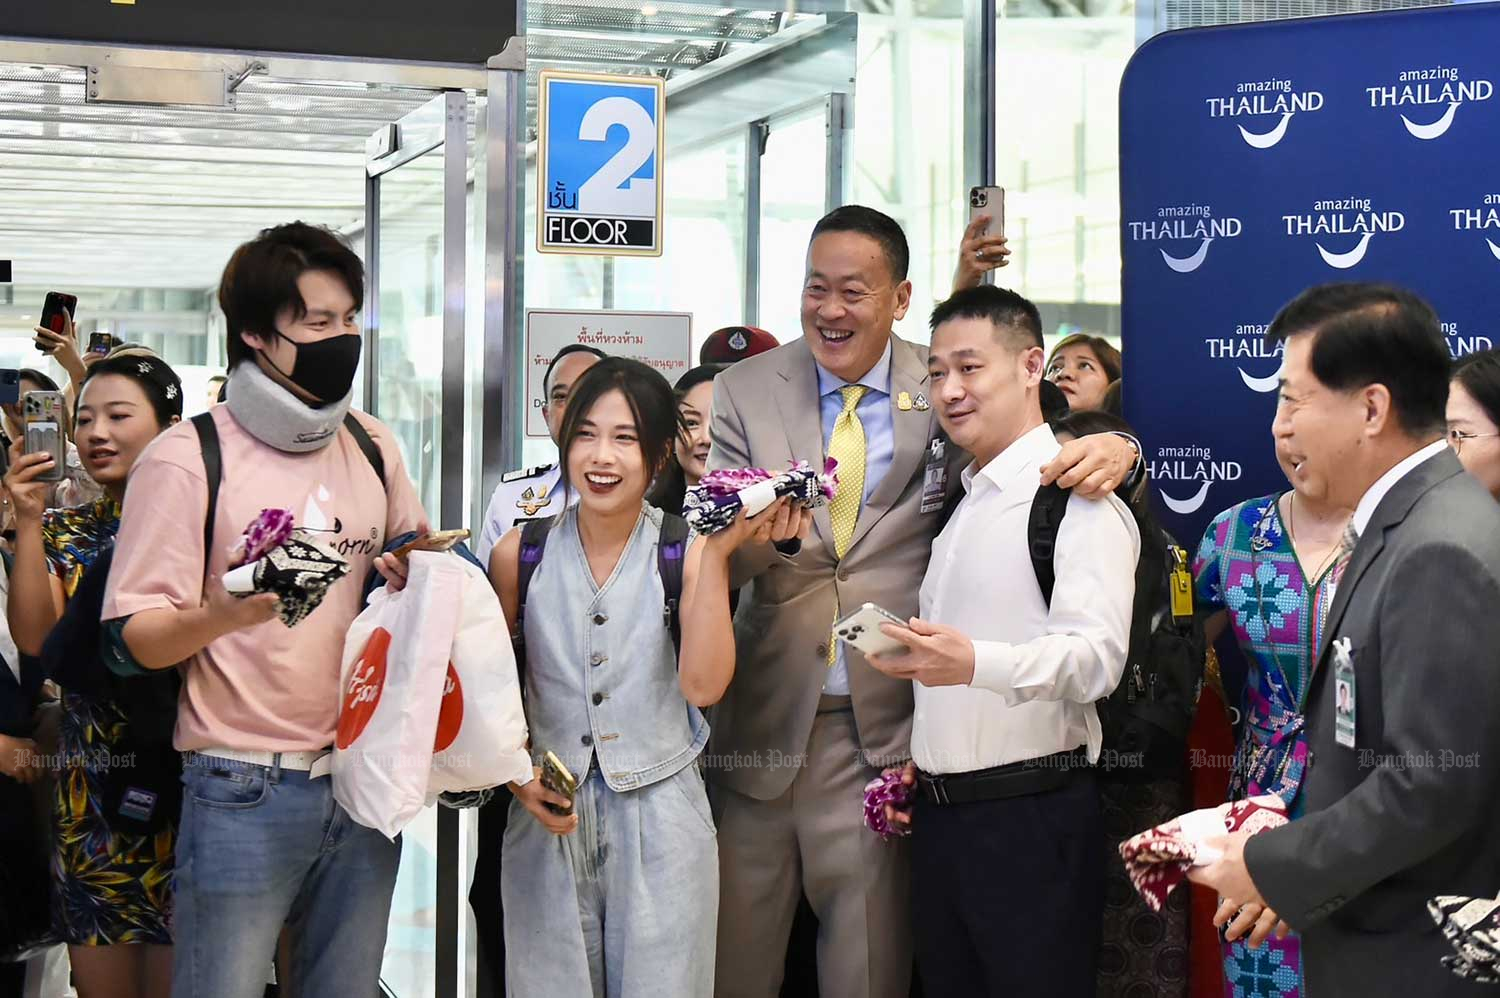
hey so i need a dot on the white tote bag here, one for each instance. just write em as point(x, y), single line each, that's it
point(481, 731)
point(395, 657)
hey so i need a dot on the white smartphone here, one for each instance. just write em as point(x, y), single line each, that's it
point(988, 201)
point(862, 630)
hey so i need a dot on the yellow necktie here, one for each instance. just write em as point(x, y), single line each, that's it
point(847, 447)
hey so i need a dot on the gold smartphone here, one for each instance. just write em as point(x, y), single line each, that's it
point(438, 540)
point(555, 777)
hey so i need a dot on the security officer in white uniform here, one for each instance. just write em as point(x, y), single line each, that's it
point(529, 494)
point(536, 493)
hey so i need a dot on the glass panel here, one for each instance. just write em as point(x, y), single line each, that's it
point(409, 401)
point(793, 173)
point(409, 394)
point(705, 243)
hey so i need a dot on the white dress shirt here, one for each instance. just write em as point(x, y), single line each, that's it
point(1383, 485)
point(1037, 672)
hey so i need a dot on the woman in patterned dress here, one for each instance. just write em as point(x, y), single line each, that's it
point(112, 888)
point(1267, 568)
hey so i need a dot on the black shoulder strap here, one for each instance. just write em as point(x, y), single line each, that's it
point(533, 543)
point(213, 473)
point(671, 551)
point(372, 452)
point(1047, 510)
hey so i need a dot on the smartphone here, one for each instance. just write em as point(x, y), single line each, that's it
point(988, 201)
point(862, 630)
point(53, 307)
point(10, 386)
point(438, 540)
point(102, 343)
point(555, 777)
point(44, 431)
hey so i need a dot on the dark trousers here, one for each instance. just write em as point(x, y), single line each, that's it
point(484, 895)
point(1008, 895)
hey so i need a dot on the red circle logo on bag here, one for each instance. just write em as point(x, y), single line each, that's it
point(362, 695)
point(451, 713)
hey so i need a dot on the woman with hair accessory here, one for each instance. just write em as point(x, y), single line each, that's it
point(112, 860)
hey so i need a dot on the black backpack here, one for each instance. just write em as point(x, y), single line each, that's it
point(671, 549)
point(1146, 719)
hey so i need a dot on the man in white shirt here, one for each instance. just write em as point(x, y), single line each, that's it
point(533, 493)
point(1007, 868)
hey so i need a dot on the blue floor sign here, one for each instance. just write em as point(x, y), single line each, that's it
point(599, 156)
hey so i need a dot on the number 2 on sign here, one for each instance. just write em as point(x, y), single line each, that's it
point(598, 194)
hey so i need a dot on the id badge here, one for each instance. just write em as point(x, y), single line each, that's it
point(935, 479)
point(1345, 694)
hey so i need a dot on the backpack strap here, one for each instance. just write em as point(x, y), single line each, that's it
point(362, 438)
point(671, 551)
point(533, 543)
point(1047, 511)
point(213, 473)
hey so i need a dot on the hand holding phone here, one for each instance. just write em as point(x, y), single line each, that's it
point(983, 248)
point(862, 630)
point(101, 344)
point(436, 540)
point(58, 311)
point(555, 777)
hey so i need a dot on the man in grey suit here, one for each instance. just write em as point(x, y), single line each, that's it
point(1404, 752)
point(806, 722)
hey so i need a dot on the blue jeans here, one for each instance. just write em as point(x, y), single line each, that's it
point(262, 846)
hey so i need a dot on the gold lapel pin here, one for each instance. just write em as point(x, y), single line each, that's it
point(903, 401)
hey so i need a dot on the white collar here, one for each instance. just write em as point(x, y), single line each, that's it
point(1028, 449)
point(1383, 485)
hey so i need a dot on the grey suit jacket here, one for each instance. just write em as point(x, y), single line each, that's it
point(1411, 811)
point(765, 415)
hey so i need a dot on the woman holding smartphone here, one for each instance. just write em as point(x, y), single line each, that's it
point(112, 886)
point(621, 895)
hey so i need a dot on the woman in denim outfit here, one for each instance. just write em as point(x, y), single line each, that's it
point(620, 897)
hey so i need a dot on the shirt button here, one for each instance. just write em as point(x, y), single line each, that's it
point(600, 618)
point(599, 658)
point(843, 575)
point(598, 699)
point(587, 740)
point(823, 652)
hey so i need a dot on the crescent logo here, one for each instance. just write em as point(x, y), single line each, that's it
point(1189, 264)
point(1265, 140)
point(1186, 506)
point(1434, 130)
point(1343, 261)
point(1266, 384)
point(1493, 248)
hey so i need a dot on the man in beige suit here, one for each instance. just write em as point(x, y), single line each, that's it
point(807, 722)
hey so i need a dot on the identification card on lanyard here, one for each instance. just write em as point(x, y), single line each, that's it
point(1344, 693)
point(935, 479)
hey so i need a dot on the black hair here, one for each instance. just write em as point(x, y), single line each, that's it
point(670, 488)
point(651, 401)
point(1369, 334)
point(1005, 309)
point(1114, 398)
point(217, 377)
point(1086, 422)
point(1479, 373)
point(1106, 352)
point(45, 383)
point(569, 349)
point(879, 226)
point(260, 280)
point(161, 385)
point(1054, 403)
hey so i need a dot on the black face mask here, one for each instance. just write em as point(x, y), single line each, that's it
point(325, 369)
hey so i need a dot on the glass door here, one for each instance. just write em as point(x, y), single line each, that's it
point(415, 195)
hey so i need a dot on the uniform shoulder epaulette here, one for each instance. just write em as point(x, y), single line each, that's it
point(520, 473)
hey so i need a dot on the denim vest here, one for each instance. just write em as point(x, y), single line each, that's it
point(601, 673)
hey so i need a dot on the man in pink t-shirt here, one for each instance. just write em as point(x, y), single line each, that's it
point(262, 841)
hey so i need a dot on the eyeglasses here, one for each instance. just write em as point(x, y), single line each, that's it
point(1456, 438)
